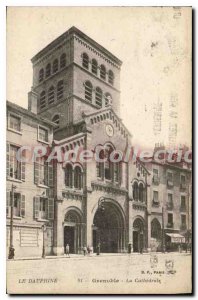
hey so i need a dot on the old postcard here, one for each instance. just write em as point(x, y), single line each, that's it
point(99, 155)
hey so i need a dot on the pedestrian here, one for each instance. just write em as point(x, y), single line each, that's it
point(84, 250)
point(67, 250)
point(98, 249)
point(88, 249)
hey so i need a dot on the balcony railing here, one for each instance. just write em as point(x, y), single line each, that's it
point(155, 203)
point(169, 183)
point(170, 225)
point(156, 180)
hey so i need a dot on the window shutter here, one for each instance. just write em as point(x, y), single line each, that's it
point(22, 206)
point(36, 207)
point(45, 173)
point(50, 175)
point(36, 173)
point(8, 159)
point(7, 202)
point(51, 208)
point(23, 168)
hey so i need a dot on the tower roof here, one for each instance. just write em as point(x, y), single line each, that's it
point(75, 31)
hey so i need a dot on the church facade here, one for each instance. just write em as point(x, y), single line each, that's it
point(74, 105)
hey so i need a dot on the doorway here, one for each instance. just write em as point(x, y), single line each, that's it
point(135, 241)
point(138, 235)
point(69, 238)
point(109, 229)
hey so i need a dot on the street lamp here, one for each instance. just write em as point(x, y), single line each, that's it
point(43, 252)
point(11, 248)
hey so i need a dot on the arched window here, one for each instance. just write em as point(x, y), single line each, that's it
point(103, 72)
point(78, 178)
point(42, 99)
point(72, 217)
point(94, 66)
point(117, 166)
point(60, 90)
point(41, 75)
point(110, 77)
point(88, 91)
point(141, 192)
point(108, 99)
point(108, 166)
point(56, 119)
point(68, 176)
point(55, 66)
point(63, 60)
point(135, 191)
point(100, 165)
point(85, 61)
point(99, 96)
point(51, 95)
point(48, 70)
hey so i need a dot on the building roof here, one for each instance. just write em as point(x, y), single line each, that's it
point(29, 113)
point(73, 30)
point(107, 109)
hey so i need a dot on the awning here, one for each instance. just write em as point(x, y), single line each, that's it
point(176, 238)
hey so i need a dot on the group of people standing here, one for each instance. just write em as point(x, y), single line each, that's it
point(86, 250)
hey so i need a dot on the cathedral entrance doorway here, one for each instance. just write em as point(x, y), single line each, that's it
point(108, 230)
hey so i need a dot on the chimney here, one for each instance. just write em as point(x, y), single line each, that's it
point(32, 102)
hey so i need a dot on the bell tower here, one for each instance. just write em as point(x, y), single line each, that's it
point(74, 75)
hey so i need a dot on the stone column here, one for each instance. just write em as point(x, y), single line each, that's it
point(58, 247)
point(89, 230)
point(130, 225)
point(149, 217)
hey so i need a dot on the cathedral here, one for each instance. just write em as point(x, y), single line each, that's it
point(121, 206)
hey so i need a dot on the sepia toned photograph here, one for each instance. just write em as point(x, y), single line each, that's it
point(99, 150)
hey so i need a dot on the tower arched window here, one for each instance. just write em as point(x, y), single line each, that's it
point(94, 66)
point(60, 90)
point(48, 70)
point(42, 99)
point(141, 192)
point(98, 96)
point(68, 176)
point(55, 66)
point(103, 72)
point(110, 77)
point(78, 178)
point(85, 60)
point(108, 99)
point(88, 91)
point(135, 191)
point(63, 60)
point(108, 165)
point(56, 119)
point(51, 95)
point(41, 75)
point(100, 165)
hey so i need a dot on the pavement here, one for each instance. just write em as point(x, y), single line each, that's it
point(108, 273)
point(94, 255)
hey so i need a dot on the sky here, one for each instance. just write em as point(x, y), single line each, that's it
point(154, 45)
